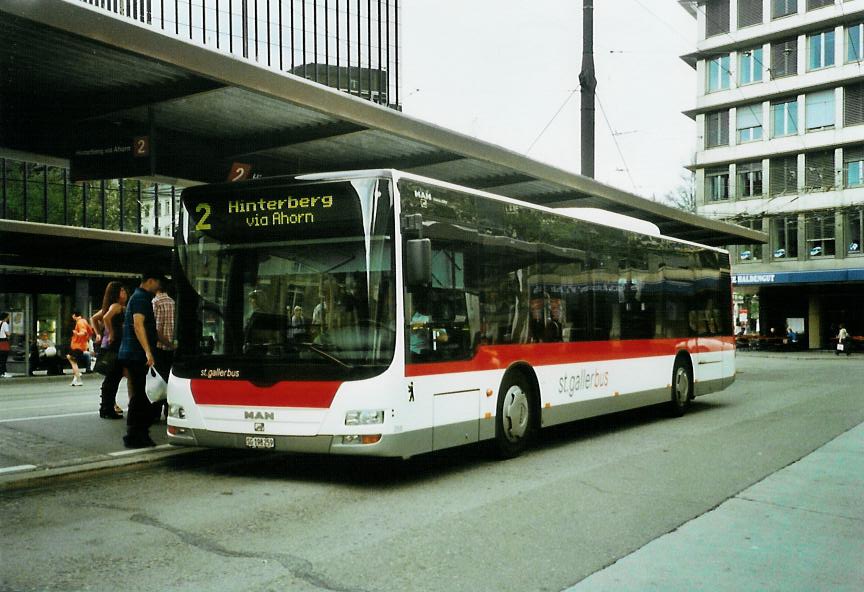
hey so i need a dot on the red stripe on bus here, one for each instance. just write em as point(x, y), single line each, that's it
point(312, 394)
point(498, 357)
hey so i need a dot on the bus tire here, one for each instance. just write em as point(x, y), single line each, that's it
point(514, 419)
point(682, 386)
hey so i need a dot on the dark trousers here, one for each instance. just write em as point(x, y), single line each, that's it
point(140, 414)
point(109, 388)
point(164, 359)
point(3, 356)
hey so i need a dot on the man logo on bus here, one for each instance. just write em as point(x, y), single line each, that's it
point(424, 196)
point(260, 415)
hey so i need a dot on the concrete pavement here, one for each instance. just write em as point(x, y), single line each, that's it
point(50, 430)
point(801, 528)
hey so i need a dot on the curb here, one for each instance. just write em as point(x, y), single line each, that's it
point(800, 355)
point(34, 476)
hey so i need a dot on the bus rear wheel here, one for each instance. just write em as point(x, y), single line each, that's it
point(514, 420)
point(682, 387)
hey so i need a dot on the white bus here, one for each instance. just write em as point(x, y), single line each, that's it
point(383, 313)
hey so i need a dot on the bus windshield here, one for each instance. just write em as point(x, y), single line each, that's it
point(283, 282)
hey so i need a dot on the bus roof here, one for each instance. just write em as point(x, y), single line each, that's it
point(592, 215)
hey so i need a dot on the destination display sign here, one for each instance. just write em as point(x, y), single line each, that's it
point(110, 152)
point(275, 212)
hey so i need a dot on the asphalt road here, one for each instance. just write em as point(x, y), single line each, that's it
point(587, 495)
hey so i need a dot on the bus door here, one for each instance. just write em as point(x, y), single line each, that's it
point(440, 322)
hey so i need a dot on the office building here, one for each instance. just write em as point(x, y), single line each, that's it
point(780, 119)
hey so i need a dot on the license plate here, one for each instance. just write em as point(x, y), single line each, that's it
point(260, 442)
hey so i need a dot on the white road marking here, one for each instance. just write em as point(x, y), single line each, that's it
point(137, 450)
point(49, 416)
point(17, 468)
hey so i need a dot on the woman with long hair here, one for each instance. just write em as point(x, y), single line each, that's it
point(108, 322)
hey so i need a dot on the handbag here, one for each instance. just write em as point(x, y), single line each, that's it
point(106, 362)
point(156, 388)
point(4, 345)
point(840, 346)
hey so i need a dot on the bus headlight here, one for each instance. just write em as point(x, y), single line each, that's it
point(364, 417)
point(176, 411)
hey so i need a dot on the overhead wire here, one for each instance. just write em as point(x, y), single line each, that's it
point(615, 140)
point(549, 123)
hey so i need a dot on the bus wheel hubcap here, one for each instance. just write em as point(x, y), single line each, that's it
point(515, 413)
point(682, 386)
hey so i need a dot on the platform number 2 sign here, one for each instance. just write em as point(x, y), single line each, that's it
point(239, 171)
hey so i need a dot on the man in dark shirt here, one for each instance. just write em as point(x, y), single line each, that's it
point(136, 356)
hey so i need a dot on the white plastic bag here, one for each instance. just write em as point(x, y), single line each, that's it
point(156, 388)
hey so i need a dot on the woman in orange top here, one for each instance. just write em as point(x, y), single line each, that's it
point(80, 341)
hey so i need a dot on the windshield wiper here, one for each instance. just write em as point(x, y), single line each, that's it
point(325, 354)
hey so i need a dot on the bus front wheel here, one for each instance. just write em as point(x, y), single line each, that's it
point(514, 422)
point(682, 387)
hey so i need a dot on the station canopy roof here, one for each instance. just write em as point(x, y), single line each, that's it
point(68, 69)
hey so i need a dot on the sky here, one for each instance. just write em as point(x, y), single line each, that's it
point(500, 70)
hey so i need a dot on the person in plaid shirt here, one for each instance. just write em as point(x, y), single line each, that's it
point(163, 310)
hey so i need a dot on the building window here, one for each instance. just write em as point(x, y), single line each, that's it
point(854, 35)
point(718, 73)
point(717, 129)
point(717, 184)
point(820, 234)
point(814, 4)
point(749, 179)
point(716, 17)
point(750, 66)
point(819, 112)
point(752, 252)
point(784, 116)
point(784, 175)
point(853, 104)
point(781, 8)
point(819, 170)
point(784, 58)
point(749, 13)
point(749, 123)
point(853, 166)
point(854, 231)
point(820, 50)
point(785, 237)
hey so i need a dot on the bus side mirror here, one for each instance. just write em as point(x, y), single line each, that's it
point(418, 258)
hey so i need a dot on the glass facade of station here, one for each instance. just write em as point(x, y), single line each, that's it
point(350, 45)
point(35, 192)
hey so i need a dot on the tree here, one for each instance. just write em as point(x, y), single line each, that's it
point(683, 196)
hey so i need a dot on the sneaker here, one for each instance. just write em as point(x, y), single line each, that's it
point(138, 441)
point(110, 414)
point(5, 375)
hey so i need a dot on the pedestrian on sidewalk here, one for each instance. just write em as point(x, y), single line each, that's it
point(81, 333)
point(108, 322)
point(163, 311)
point(843, 344)
point(5, 345)
point(136, 356)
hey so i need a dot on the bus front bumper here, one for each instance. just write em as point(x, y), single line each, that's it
point(403, 445)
